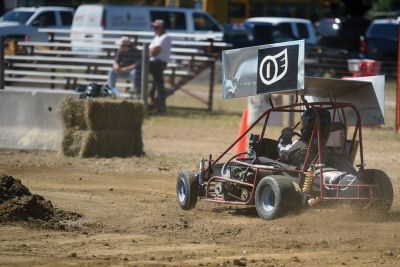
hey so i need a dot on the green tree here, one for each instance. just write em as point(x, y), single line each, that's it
point(382, 5)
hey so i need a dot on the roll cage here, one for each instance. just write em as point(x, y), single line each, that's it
point(367, 191)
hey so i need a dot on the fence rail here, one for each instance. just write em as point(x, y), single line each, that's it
point(204, 36)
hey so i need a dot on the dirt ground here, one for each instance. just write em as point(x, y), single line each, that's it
point(130, 216)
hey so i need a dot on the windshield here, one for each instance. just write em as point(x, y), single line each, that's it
point(18, 16)
point(267, 33)
point(384, 31)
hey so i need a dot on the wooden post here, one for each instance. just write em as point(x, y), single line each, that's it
point(50, 37)
point(211, 92)
point(145, 74)
point(52, 85)
point(2, 66)
point(398, 81)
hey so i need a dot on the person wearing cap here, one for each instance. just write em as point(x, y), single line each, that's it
point(159, 50)
point(126, 61)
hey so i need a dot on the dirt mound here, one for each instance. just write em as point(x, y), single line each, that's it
point(17, 203)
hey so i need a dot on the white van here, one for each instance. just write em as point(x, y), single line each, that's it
point(89, 19)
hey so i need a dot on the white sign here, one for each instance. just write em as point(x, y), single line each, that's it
point(263, 69)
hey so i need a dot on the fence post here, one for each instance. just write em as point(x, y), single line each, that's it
point(2, 66)
point(211, 92)
point(291, 100)
point(50, 36)
point(397, 126)
point(145, 74)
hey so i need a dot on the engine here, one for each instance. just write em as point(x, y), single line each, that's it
point(235, 191)
point(229, 190)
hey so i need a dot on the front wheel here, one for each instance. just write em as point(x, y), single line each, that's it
point(275, 196)
point(384, 190)
point(186, 190)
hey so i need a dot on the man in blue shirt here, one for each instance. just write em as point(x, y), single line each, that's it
point(127, 60)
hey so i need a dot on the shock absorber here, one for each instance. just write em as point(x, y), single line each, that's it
point(201, 175)
point(308, 180)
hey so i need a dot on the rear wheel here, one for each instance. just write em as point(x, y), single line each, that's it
point(384, 190)
point(186, 190)
point(275, 196)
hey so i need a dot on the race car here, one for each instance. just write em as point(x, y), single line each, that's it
point(309, 164)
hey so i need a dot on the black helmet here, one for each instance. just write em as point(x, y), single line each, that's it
point(308, 122)
point(95, 90)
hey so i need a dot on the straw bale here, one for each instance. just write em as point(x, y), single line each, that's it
point(108, 143)
point(101, 127)
point(101, 114)
point(113, 114)
point(72, 141)
point(71, 112)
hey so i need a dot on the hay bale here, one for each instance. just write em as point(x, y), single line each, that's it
point(111, 144)
point(101, 114)
point(71, 144)
point(101, 127)
point(71, 112)
point(109, 114)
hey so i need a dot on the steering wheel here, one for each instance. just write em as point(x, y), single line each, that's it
point(228, 163)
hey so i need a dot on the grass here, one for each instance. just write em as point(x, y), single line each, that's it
point(184, 110)
point(390, 100)
point(387, 131)
point(180, 99)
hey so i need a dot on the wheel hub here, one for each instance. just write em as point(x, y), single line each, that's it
point(268, 199)
point(181, 192)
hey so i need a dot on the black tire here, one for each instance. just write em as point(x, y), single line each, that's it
point(275, 196)
point(385, 189)
point(186, 190)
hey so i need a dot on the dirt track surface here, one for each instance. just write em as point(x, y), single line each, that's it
point(130, 216)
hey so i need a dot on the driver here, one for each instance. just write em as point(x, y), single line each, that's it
point(293, 152)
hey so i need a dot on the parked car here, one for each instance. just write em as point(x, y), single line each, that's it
point(347, 38)
point(287, 28)
point(267, 30)
point(381, 40)
point(91, 19)
point(237, 34)
point(328, 26)
point(23, 23)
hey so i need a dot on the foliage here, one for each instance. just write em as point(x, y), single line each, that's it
point(382, 5)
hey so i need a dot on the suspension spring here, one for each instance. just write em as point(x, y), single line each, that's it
point(308, 180)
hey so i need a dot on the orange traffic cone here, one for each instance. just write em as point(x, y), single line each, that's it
point(241, 146)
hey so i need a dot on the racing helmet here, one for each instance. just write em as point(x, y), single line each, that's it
point(308, 120)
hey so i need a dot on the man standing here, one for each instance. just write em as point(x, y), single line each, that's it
point(126, 60)
point(159, 50)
